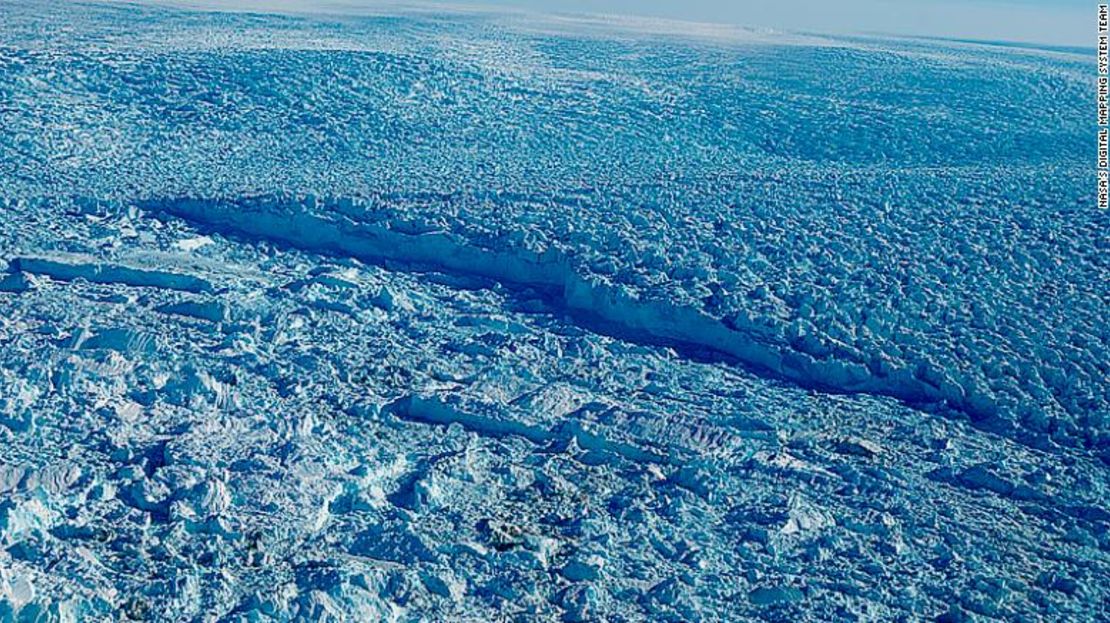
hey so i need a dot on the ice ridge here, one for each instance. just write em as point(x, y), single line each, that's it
point(330, 226)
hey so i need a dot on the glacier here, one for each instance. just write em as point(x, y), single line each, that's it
point(430, 314)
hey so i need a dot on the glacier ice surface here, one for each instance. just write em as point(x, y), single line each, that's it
point(423, 316)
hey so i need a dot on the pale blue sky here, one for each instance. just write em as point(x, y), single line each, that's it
point(1055, 22)
point(1058, 22)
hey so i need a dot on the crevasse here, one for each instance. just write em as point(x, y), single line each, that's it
point(328, 227)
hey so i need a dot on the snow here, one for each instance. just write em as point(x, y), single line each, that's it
point(440, 316)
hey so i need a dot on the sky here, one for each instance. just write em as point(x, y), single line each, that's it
point(1055, 22)
point(1052, 22)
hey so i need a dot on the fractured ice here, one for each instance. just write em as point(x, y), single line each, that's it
point(429, 316)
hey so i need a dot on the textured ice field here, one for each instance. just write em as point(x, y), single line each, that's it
point(444, 316)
